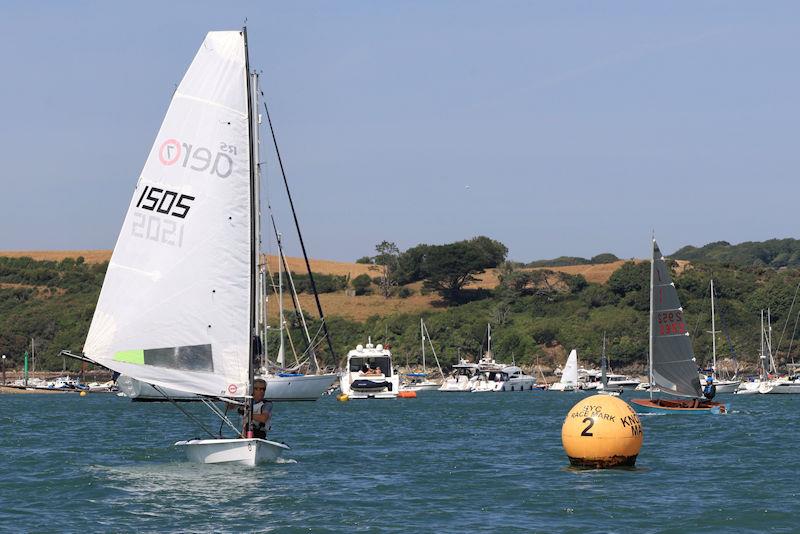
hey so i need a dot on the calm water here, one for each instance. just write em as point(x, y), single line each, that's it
point(441, 462)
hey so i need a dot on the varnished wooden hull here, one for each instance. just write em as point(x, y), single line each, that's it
point(680, 406)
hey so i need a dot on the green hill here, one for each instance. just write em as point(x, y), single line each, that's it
point(532, 313)
point(774, 253)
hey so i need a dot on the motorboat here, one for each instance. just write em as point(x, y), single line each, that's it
point(504, 378)
point(461, 377)
point(369, 373)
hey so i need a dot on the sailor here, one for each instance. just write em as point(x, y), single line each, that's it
point(710, 390)
point(262, 410)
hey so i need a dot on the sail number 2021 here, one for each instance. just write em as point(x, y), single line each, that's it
point(670, 323)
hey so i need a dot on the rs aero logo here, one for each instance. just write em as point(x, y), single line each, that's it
point(198, 158)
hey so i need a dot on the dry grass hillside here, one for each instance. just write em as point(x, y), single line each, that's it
point(341, 303)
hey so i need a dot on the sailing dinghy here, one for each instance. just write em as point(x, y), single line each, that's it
point(177, 309)
point(673, 369)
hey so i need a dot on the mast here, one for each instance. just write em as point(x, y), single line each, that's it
point(260, 318)
point(652, 303)
point(422, 337)
point(769, 341)
point(763, 357)
point(281, 354)
point(713, 336)
point(603, 365)
point(253, 216)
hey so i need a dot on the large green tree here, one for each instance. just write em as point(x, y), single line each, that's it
point(448, 268)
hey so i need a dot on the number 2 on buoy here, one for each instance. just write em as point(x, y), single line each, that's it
point(586, 430)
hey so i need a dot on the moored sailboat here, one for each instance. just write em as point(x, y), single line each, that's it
point(569, 375)
point(673, 368)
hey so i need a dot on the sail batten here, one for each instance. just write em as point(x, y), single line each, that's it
point(174, 310)
point(674, 369)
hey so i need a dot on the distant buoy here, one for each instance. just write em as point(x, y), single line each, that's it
point(83, 393)
point(407, 394)
point(342, 397)
point(602, 431)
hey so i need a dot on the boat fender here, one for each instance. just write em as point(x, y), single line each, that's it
point(342, 397)
point(602, 431)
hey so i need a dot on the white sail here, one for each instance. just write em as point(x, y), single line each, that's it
point(175, 305)
point(570, 373)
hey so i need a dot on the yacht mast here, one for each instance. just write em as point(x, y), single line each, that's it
point(763, 356)
point(652, 303)
point(251, 103)
point(260, 320)
point(281, 350)
point(713, 336)
point(422, 337)
point(604, 365)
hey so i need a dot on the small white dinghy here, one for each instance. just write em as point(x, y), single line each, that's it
point(250, 451)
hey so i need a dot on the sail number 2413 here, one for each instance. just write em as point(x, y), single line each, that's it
point(670, 323)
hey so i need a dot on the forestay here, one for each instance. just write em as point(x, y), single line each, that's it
point(674, 366)
point(175, 305)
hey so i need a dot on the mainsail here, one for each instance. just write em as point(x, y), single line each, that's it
point(175, 306)
point(570, 373)
point(674, 369)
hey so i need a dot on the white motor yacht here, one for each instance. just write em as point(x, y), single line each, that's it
point(461, 378)
point(505, 378)
point(370, 374)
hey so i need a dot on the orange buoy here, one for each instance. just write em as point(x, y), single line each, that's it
point(602, 431)
point(407, 394)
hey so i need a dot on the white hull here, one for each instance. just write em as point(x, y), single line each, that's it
point(427, 386)
point(240, 451)
point(515, 384)
point(727, 386)
point(279, 388)
point(558, 386)
point(453, 385)
point(779, 387)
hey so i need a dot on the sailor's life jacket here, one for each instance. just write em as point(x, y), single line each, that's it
point(709, 391)
point(263, 406)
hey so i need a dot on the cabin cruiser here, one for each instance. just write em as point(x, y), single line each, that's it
point(461, 378)
point(369, 374)
point(591, 379)
point(504, 378)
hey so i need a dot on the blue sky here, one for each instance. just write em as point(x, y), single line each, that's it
point(559, 128)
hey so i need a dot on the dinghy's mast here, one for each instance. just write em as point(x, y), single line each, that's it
point(253, 215)
point(652, 302)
